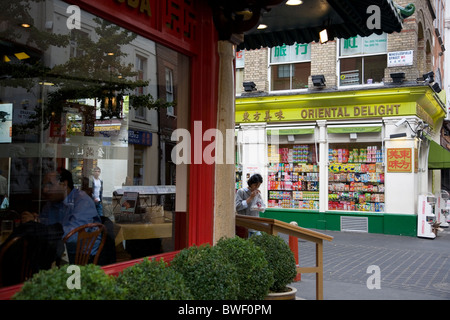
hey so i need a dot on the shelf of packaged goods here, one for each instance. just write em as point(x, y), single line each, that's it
point(293, 195)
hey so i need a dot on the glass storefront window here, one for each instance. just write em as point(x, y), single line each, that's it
point(81, 97)
point(293, 176)
point(356, 177)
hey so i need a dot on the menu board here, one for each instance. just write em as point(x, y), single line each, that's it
point(129, 202)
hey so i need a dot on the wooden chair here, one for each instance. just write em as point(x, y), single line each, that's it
point(86, 240)
point(26, 270)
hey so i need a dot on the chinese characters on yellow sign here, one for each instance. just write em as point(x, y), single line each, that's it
point(399, 160)
point(292, 114)
point(257, 116)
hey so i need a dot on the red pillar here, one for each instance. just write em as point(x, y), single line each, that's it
point(293, 244)
point(204, 99)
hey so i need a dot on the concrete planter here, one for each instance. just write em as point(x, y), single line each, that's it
point(288, 295)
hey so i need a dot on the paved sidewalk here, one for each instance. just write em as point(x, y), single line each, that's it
point(411, 268)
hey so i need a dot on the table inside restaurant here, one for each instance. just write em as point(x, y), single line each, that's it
point(136, 231)
point(149, 220)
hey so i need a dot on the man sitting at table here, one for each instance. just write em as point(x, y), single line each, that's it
point(68, 206)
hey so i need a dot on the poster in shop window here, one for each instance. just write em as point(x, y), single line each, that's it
point(6, 122)
point(399, 160)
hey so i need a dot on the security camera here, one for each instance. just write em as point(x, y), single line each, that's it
point(400, 122)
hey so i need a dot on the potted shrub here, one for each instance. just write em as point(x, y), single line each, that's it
point(281, 261)
point(254, 275)
point(208, 275)
point(53, 285)
point(153, 280)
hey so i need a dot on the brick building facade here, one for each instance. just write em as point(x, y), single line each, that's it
point(418, 34)
point(360, 106)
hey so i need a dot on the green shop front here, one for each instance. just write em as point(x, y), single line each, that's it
point(352, 160)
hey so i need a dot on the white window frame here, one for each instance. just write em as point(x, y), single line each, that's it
point(290, 63)
point(170, 95)
point(338, 66)
point(141, 113)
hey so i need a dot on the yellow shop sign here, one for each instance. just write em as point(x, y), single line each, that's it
point(320, 113)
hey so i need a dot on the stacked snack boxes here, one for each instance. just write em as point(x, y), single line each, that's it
point(292, 181)
point(273, 155)
point(356, 179)
point(300, 153)
point(370, 154)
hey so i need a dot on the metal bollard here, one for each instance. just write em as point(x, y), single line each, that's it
point(293, 244)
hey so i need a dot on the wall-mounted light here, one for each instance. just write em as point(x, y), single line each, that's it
point(428, 77)
point(318, 80)
point(436, 87)
point(249, 86)
point(323, 36)
point(262, 26)
point(398, 77)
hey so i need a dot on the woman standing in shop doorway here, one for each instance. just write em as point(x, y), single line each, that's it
point(97, 190)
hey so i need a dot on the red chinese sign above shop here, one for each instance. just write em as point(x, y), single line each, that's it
point(172, 23)
point(399, 160)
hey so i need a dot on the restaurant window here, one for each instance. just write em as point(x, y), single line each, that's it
point(290, 67)
point(66, 100)
point(362, 60)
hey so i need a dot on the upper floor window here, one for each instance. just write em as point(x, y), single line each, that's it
point(141, 66)
point(169, 91)
point(362, 60)
point(290, 67)
point(76, 38)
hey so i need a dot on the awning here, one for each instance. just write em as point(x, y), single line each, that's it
point(438, 157)
point(286, 132)
point(354, 129)
point(342, 19)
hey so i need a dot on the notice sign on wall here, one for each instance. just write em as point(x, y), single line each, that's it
point(400, 58)
point(399, 160)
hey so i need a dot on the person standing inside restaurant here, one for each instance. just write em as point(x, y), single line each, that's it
point(97, 190)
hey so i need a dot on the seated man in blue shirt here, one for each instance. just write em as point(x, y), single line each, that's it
point(67, 206)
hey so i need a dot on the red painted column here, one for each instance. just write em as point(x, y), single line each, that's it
point(293, 244)
point(204, 99)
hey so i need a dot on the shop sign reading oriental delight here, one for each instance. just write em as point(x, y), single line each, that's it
point(318, 113)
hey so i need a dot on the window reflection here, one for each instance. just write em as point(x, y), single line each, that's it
point(80, 99)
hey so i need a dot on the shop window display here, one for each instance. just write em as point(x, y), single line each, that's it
point(293, 177)
point(356, 177)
